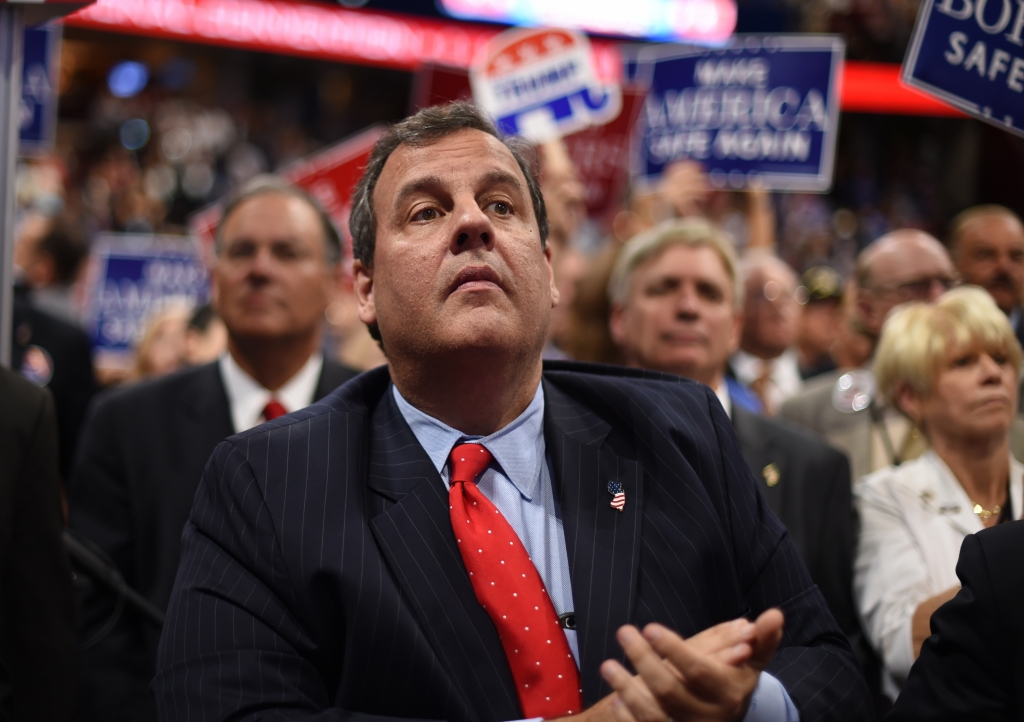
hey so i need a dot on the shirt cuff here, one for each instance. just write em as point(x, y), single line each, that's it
point(770, 702)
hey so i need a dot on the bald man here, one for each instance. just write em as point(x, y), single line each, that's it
point(987, 245)
point(904, 265)
point(767, 360)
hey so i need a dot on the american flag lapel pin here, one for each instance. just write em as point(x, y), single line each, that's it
point(618, 495)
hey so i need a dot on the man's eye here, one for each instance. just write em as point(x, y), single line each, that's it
point(427, 214)
point(241, 250)
point(501, 208)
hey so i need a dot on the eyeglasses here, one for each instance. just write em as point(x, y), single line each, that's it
point(774, 292)
point(919, 289)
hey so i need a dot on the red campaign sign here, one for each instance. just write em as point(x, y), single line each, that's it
point(435, 84)
point(329, 175)
point(600, 153)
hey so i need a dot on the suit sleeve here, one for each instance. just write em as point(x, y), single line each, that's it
point(232, 647)
point(115, 669)
point(814, 661)
point(37, 586)
point(962, 671)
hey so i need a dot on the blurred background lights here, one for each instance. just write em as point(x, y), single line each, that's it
point(708, 22)
point(134, 133)
point(127, 79)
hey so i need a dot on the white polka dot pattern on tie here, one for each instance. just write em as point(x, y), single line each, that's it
point(512, 591)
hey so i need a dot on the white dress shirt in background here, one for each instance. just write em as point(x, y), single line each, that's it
point(784, 379)
point(247, 398)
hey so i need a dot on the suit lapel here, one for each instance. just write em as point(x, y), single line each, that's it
point(208, 409)
point(415, 536)
point(332, 376)
point(603, 544)
point(760, 454)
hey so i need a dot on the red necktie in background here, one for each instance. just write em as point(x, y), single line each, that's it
point(273, 409)
point(509, 588)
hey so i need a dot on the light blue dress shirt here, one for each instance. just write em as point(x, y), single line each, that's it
point(518, 483)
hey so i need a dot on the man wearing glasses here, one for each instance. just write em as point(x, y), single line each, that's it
point(902, 266)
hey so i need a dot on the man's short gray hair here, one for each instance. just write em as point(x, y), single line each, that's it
point(267, 183)
point(691, 232)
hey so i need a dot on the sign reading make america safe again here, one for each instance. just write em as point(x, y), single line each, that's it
point(970, 53)
point(763, 109)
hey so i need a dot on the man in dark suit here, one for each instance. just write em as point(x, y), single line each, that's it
point(37, 633)
point(971, 668)
point(469, 534)
point(145, 446)
point(53, 353)
point(676, 307)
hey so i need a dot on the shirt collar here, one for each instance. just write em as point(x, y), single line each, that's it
point(722, 392)
point(518, 448)
point(247, 397)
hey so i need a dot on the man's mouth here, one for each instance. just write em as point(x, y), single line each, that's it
point(475, 278)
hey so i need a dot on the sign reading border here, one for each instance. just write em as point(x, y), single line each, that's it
point(970, 54)
point(763, 109)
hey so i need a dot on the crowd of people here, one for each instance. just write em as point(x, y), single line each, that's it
point(871, 409)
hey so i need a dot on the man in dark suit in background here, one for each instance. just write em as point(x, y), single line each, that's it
point(144, 447)
point(971, 668)
point(37, 630)
point(676, 307)
point(468, 533)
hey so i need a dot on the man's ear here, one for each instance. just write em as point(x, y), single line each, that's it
point(555, 295)
point(617, 324)
point(363, 287)
point(736, 332)
point(215, 289)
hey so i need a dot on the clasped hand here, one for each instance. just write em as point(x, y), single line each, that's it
point(710, 676)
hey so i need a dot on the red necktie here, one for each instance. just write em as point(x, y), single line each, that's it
point(273, 409)
point(509, 588)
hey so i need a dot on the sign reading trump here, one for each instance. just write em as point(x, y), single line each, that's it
point(763, 110)
point(970, 53)
point(541, 84)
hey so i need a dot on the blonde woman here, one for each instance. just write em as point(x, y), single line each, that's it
point(952, 368)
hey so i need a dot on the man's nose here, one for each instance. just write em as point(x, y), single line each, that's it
point(936, 288)
point(261, 265)
point(686, 305)
point(473, 228)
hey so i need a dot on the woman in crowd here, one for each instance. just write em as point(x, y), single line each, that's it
point(952, 368)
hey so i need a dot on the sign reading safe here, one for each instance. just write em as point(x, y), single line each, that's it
point(970, 53)
point(764, 108)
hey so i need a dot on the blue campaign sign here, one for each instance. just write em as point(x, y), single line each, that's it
point(762, 109)
point(131, 278)
point(38, 111)
point(970, 53)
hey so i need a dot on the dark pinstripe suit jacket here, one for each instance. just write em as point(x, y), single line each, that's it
point(320, 579)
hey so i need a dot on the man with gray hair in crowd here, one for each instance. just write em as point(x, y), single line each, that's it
point(901, 266)
point(767, 360)
point(144, 448)
point(677, 307)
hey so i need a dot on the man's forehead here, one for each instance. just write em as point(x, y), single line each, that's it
point(679, 260)
point(271, 214)
point(465, 154)
point(995, 227)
